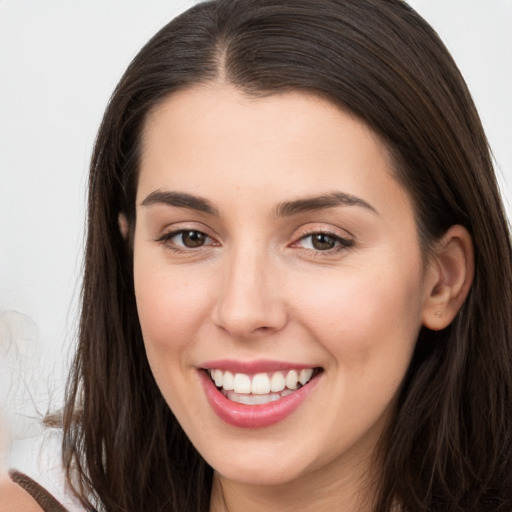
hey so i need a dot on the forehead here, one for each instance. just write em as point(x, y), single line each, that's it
point(214, 138)
point(193, 112)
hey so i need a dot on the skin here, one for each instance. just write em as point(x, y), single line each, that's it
point(259, 289)
point(13, 498)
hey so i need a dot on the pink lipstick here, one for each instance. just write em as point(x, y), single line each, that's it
point(261, 413)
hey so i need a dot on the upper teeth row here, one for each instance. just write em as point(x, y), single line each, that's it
point(261, 383)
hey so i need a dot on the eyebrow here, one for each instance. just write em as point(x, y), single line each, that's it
point(322, 202)
point(285, 209)
point(180, 200)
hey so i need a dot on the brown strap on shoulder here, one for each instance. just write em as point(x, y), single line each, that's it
point(44, 499)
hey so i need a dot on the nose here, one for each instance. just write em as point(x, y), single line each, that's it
point(250, 302)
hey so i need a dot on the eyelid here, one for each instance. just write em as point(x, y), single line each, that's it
point(312, 228)
point(175, 232)
point(180, 226)
point(342, 241)
point(345, 242)
point(172, 231)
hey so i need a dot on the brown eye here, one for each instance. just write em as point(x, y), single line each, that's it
point(192, 239)
point(323, 241)
point(183, 240)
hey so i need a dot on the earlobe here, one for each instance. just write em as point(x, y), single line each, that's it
point(123, 225)
point(449, 278)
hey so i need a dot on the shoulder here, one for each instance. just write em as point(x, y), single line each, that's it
point(13, 498)
point(36, 467)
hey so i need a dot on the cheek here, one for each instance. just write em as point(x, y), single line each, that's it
point(368, 322)
point(363, 314)
point(170, 304)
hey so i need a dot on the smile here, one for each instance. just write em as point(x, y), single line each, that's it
point(255, 400)
point(261, 388)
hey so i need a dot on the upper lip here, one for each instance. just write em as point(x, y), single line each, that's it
point(253, 367)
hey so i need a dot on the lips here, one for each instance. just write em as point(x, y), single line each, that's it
point(257, 394)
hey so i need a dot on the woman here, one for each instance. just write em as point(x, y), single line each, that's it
point(297, 286)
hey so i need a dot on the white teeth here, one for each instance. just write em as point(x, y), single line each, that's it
point(229, 381)
point(292, 379)
point(277, 382)
point(305, 375)
point(218, 378)
point(258, 399)
point(233, 396)
point(252, 399)
point(260, 384)
point(242, 383)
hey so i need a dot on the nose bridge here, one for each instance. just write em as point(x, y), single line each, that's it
point(249, 301)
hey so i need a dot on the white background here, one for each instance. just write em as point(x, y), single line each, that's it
point(59, 62)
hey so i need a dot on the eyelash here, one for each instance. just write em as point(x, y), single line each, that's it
point(167, 237)
point(342, 243)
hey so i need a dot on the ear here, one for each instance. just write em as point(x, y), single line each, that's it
point(123, 225)
point(448, 278)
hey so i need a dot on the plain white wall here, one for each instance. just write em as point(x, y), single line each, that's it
point(59, 61)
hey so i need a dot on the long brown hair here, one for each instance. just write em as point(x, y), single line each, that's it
point(448, 447)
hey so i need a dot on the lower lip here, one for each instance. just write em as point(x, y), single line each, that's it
point(254, 416)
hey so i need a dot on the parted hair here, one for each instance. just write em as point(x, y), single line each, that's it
point(448, 446)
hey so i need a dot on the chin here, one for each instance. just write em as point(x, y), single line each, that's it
point(262, 465)
point(265, 474)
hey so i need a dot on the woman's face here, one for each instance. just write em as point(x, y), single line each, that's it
point(274, 248)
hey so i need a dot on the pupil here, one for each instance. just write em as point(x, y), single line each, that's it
point(193, 238)
point(323, 242)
